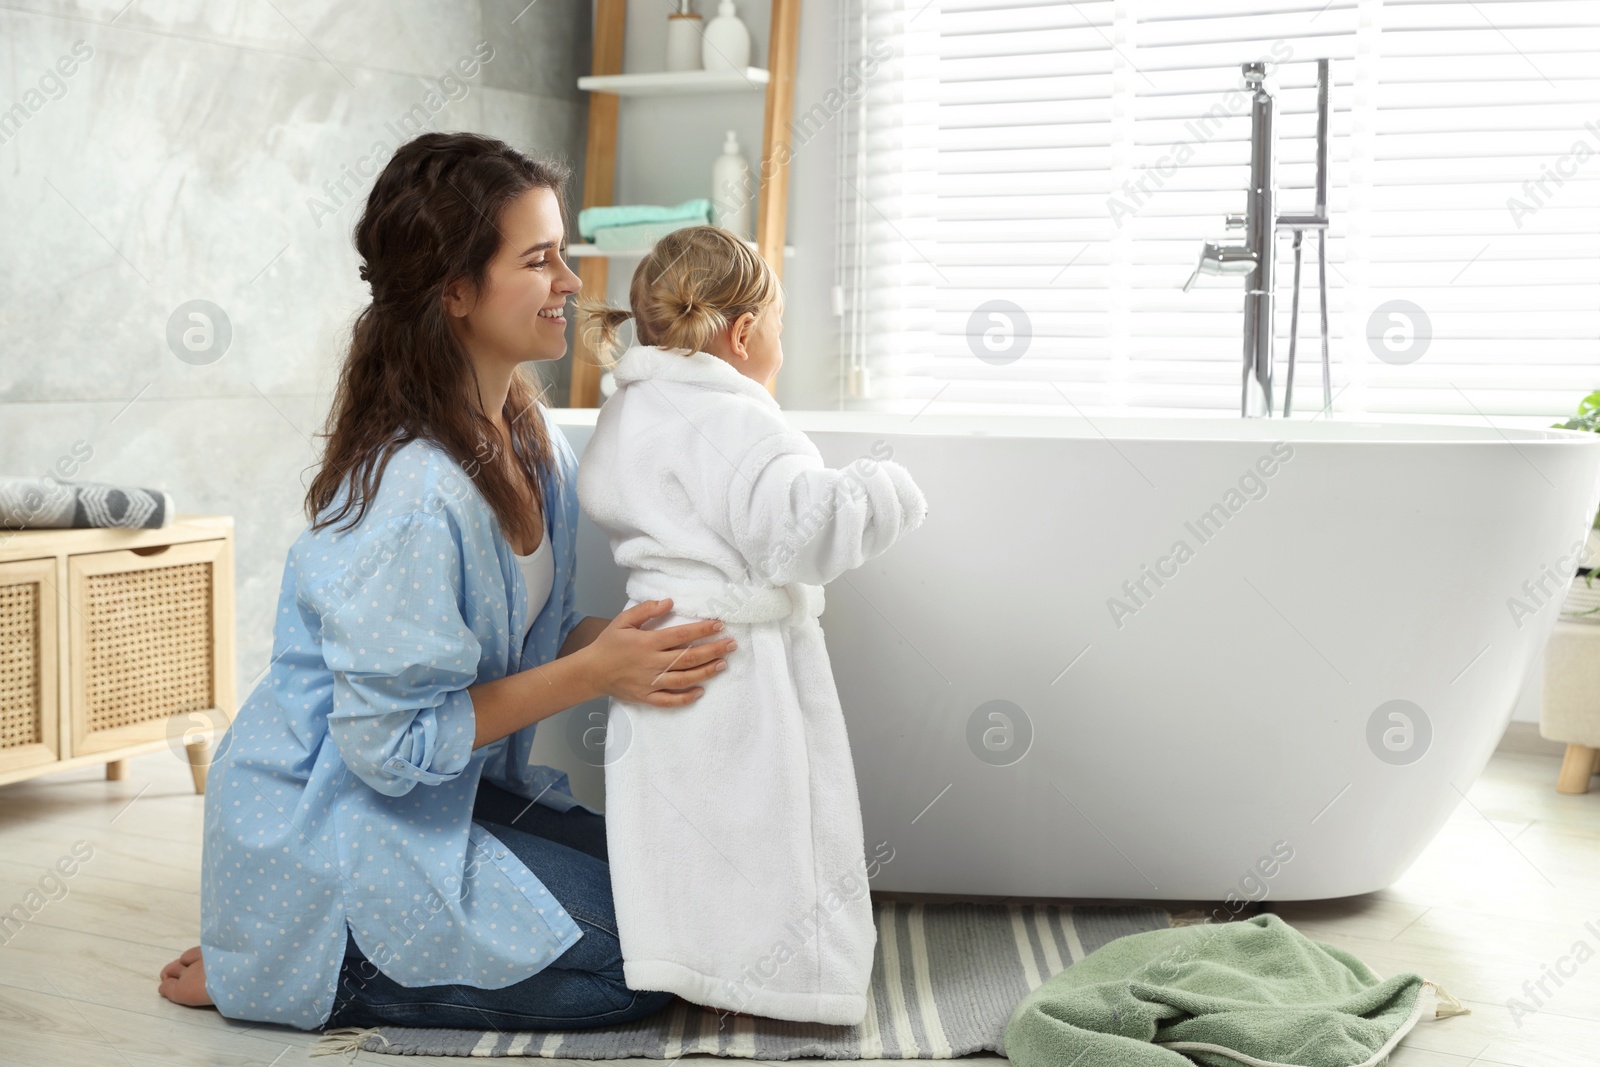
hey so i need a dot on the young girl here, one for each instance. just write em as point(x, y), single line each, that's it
point(733, 826)
point(379, 849)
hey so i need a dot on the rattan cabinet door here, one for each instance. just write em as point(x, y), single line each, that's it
point(149, 639)
point(29, 664)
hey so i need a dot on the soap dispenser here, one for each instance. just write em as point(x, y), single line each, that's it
point(683, 38)
point(727, 42)
point(732, 188)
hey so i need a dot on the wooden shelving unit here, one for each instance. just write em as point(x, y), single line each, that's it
point(607, 85)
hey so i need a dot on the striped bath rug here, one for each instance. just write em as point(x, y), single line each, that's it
point(945, 980)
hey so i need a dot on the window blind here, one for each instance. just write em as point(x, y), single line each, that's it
point(1026, 187)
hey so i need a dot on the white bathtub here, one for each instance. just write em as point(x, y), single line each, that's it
point(1229, 730)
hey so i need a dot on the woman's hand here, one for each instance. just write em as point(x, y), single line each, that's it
point(622, 661)
point(655, 667)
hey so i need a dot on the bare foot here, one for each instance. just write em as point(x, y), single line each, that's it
point(183, 981)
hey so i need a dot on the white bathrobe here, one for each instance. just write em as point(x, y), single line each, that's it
point(733, 824)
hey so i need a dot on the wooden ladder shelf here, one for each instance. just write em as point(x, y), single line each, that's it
point(600, 161)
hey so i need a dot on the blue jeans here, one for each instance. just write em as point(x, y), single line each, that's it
point(583, 987)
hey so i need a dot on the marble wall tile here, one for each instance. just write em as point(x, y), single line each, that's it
point(218, 150)
point(548, 46)
point(242, 456)
point(399, 36)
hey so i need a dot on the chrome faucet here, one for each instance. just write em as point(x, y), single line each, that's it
point(1255, 257)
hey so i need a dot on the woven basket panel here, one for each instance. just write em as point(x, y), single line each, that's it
point(21, 695)
point(150, 644)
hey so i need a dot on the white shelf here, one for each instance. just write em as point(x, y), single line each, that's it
point(581, 251)
point(676, 82)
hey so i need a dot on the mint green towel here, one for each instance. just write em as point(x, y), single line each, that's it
point(688, 213)
point(1256, 992)
point(640, 235)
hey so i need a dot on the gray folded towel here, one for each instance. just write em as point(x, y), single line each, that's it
point(46, 504)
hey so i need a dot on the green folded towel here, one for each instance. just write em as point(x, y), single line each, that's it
point(640, 235)
point(688, 213)
point(1256, 992)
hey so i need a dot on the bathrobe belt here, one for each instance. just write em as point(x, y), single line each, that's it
point(731, 602)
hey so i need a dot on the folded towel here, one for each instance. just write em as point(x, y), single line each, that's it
point(44, 503)
point(638, 236)
point(690, 212)
point(733, 824)
point(1256, 992)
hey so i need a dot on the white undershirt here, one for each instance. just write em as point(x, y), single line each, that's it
point(539, 574)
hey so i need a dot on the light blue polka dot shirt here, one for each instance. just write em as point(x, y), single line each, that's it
point(343, 791)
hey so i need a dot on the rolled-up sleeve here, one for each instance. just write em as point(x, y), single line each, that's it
point(570, 615)
point(568, 462)
point(402, 657)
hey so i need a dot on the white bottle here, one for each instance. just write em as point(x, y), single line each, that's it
point(683, 39)
point(727, 41)
point(732, 189)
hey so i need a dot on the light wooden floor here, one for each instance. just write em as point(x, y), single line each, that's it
point(1502, 894)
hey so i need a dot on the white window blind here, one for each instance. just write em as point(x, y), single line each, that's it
point(1067, 160)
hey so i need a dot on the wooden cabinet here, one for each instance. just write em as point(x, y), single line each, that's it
point(114, 643)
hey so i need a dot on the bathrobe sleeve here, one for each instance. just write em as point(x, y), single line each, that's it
point(402, 657)
point(796, 520)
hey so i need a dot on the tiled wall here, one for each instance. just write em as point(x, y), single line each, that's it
point(153, 154)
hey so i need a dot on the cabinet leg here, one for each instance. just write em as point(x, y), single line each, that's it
point(116, 770)
point(1576, 769)
point(199, 763)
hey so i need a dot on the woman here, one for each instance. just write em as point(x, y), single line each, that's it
point(378, 848)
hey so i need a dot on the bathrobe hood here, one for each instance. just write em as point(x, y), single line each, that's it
point(699, 368)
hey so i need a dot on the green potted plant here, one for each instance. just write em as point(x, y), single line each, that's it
point(1586, 601)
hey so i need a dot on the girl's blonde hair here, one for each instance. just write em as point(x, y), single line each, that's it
point(691, 285)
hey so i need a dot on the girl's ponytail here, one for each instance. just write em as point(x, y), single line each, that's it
point(600, 327)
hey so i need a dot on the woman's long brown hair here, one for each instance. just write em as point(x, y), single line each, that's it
point(431, 219)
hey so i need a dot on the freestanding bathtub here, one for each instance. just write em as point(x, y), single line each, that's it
point(1180, 658)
